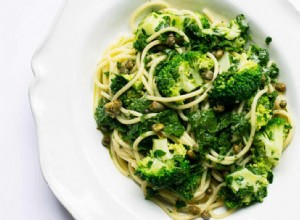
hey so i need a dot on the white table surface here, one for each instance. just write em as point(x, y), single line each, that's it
point(24, 195)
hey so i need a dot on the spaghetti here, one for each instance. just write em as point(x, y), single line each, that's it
point(130, 73)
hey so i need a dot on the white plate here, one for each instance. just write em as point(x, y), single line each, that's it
point(77, 168)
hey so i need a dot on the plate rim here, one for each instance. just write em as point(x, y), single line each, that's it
point(38, 76)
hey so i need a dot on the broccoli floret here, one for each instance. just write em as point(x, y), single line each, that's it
point(161, 174)
point(238, 83)
point(129, 96)
point(268, 142)
point(230, 32)
point(168, 77)
point(233, 45)
point(163, 167)
point(153, 23)
point(187, 83)
point(181, 73)
point(233, 87)
point(135, 92)
point(246, 186)
point(271, 70)
point(205, 22)
point(242, 62)
point(259, 55)
point(232, 37)
point(156, 21)
point(104, 121)
point(198, 61)
point(242, 22)
point(236, 28)
point(264, 109)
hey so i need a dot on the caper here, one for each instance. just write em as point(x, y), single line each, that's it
point(171, 40)
point(283, 104)
point(157, 127)
point(106, 141)
point(280, 87)
point(236, 148)
point(207, 75)
point(209, 191)
point(280, 103)
point(194, 210)
point(129, 64)
point(219, 108)
point(205, 215)
point(113, 108)
point(156, 106)
point(219, 54)
point(123, 70)
point(191, 154)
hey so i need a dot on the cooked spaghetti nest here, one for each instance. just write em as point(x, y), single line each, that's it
point(191, 112)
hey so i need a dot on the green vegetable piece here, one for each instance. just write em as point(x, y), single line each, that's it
point(135, 92)
point(264, 109)
point(258, 54)
point(104, 121)
point(187, 189)
point(181, 73)
point(268, 40)
point(271, 71)
point(215, 131)
point(246, 186)
point(180, 204)
point(232, 87)
point(242, 22)
point(269, 141)
point(141, 105)
point(164, 171)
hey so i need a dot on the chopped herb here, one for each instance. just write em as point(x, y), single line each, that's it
point(268, 40)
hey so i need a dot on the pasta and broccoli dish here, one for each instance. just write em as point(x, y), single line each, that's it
point(192, 110)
